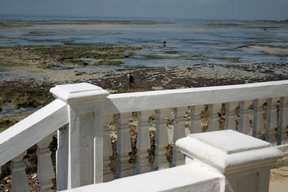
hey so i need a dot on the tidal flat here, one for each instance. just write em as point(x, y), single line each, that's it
point(33, 70)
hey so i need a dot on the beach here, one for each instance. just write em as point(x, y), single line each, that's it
point(36, 55)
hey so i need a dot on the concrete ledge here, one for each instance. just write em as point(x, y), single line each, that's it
point(190, 177)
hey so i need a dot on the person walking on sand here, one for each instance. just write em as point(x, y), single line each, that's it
point(131, 80)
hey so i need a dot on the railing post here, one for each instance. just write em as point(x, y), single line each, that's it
point(245, 161)
point(85, 133)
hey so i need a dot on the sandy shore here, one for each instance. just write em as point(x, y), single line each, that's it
point(279, 179)
point(28, 72)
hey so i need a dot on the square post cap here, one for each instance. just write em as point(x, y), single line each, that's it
point(79, 92)
point(228, 150)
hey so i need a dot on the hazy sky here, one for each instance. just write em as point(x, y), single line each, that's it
point(197, 9)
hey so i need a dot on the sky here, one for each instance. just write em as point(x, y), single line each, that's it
point(195, 9)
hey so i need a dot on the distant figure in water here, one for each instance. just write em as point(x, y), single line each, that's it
point(164, 43)
point(131, 80)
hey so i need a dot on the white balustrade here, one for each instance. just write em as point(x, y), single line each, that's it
point(258, 121)
point(123, 145)
point(230, 116)
point(161, 139)
point(19, 177)
point(85, 153)
point(283, 120)
point(143, 142)
point(109, 136)
point(244, 117)
point(178, 132)
point(271, 120)
point(62, 158)
point(45, 170)
point(196, 118)
point(213, 119)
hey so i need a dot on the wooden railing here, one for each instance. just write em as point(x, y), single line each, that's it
point(116, 135)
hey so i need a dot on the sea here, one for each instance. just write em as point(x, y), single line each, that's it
point(187, 41)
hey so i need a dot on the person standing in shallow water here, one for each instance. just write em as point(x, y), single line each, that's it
point(131, 80)
point(164, 43)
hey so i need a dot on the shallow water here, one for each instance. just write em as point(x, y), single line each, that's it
point(189, 42)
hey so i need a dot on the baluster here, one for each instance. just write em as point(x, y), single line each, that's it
point(271, 121)
point(178, 132)
point(19, 177)
point(45, 169)
point(196, 119)
point(161, 140)
point(230, 117)
point(62, 159)
point(244, 120)
point(283, 121)
point(123, 145)
point(258, 121)
point(107, 152)
point(143, 142)
point(213, 119)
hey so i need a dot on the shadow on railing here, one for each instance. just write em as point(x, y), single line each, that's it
point(116, 135)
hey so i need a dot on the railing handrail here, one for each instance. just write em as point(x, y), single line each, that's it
point(151, 100)
point(32, 129)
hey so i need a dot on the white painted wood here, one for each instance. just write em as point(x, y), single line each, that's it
point(45, 170)
point(213, 119)
point(196, 118)
point(62, 158)
point(244, 119)
point(283, 121)
point(258, 121)
point(271, 120)
point(19, 177)
point(178, 132)
point(230, 117)
point(31, 130)
point(152, 100)
point(143, 142)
